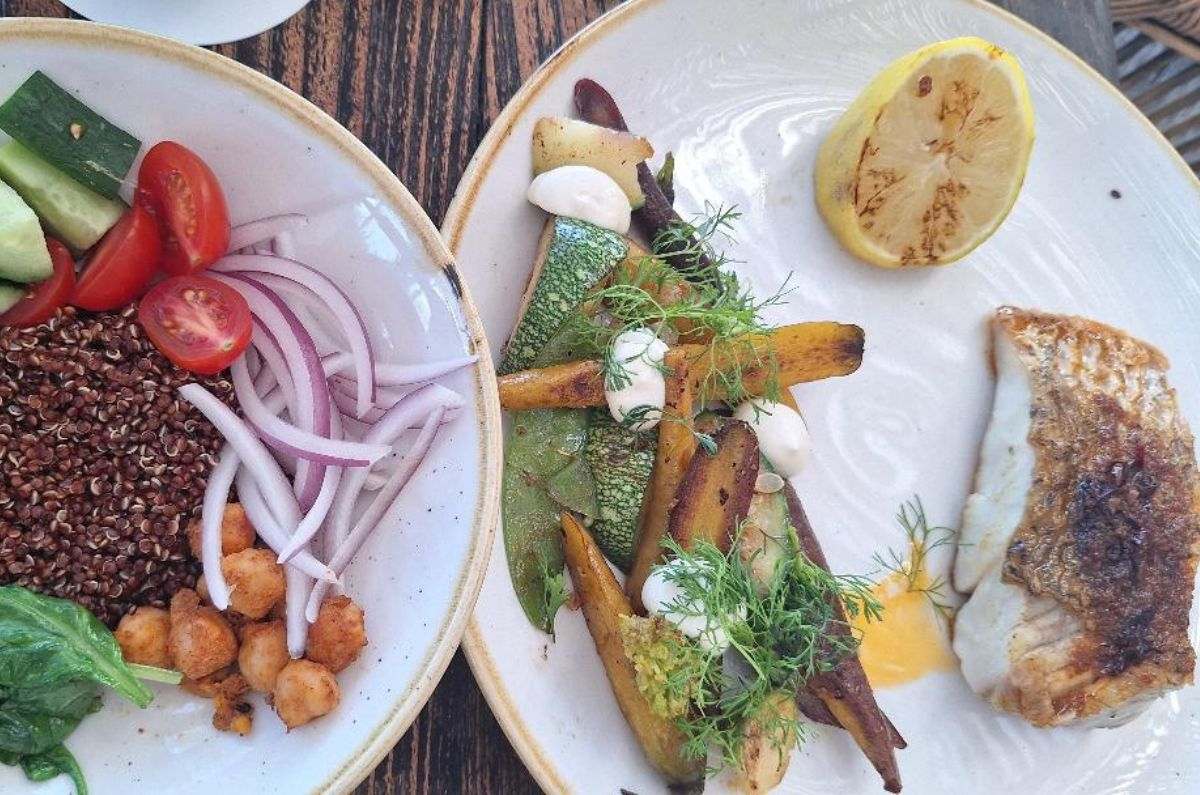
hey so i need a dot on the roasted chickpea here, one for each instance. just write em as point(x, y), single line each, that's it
point(256, 581)
point(305, 690)
point(263, 654)
point(144, 637)
point(338, 635)
point(236, 532)
point(201, 640)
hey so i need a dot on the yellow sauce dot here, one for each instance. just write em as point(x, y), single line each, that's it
point(912, 639)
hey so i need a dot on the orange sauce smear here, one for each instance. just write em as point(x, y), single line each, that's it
point(910, 642)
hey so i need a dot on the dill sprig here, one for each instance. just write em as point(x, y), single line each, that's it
point(784, 632)
point(639, 414)
point(923, 538)
point(715, 310)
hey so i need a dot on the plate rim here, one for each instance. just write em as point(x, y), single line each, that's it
point(409, 702)
point(227, 37)
point(475, 649)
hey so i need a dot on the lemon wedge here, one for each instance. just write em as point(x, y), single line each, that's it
point(929, 159)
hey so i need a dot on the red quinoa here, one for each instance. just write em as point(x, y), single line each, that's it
point(102, 466)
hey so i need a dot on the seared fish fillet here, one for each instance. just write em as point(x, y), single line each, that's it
point(1081, 540)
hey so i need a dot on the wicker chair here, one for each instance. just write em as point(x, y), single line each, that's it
point(1158, 65)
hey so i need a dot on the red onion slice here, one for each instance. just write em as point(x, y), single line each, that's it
point(415, 407)
point(264, 229)
point(335, 301)
point(312, 521)
point(293, 440)
point(250, 449)
point(268, 529)
point(312, 391)
point(382, 508)
point(297, 582)
point(341, 365)
point(212, 515)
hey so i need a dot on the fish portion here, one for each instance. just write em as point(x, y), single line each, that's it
point(1081, 540)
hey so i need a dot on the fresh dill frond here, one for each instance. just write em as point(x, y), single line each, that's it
point(923, 538)
point(695, 243)
point(716, 311)
point(633, 419)
point(785, 631)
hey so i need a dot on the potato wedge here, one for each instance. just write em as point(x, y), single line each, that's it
point(767, 747)
point(676, 446)
point(561, 141)
point(604, 603)
point(715, 493)
point(805, 352)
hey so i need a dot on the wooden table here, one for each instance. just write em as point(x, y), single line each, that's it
point(419, 81)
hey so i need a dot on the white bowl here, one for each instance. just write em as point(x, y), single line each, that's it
point(274, 152)
point(193, 21)
point(743, 93)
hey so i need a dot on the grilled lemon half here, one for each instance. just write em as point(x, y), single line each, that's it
point(929, 159)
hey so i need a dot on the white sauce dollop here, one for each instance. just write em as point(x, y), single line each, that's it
point(582, 192)
point(782, 434)
point(640, 354)
point(659, 592)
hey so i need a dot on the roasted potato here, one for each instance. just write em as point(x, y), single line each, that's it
point(603, 604)
point(561, 141)
point(804, 352)
point(715, 492)
point(676, 446)
point(767, 745)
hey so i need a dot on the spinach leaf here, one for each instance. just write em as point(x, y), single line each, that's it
point(46, 642)
point(54, 658)
point(35, 719)
point(49, 764)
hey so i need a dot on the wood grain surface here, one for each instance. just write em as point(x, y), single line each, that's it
point(419, 81)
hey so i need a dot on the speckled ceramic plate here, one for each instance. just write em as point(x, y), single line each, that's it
point(1108, 225)
point(275, 152)
point(207, 22)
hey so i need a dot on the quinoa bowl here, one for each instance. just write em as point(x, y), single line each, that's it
point(106, 465)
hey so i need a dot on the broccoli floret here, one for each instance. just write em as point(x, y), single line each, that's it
point(666, 664)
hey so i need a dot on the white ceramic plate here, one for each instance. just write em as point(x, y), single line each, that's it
point(275, 152)
point(194, 21)
point(743, 99)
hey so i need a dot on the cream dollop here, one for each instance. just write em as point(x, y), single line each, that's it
point(660, 593)
point(582, 192)
point(782, 434)
point(639, 386)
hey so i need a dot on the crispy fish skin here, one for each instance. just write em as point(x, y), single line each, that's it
point(1107, 546)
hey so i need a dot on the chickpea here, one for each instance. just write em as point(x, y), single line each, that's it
point(236, 532)
point(201, 640)
point(338, 635)
point(143, 636)
point(305, 690)
point(256, 581)
point(263, 654)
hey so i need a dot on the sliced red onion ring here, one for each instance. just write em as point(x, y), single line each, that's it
point(267, 346)
point(399, 374)
point(296, 581)
point(416, 407)
point(312, 391)
point(292, 440)
point(315, 517)
point(284, 244)
point(268, 529)
point(382, 509)
point(250, 449)
point(264, 229)
point(212, 515)
point(347, 317)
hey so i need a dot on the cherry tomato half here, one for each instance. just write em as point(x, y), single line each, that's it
point(197, 322)
point(183, 194)
point(120, 267)
point(45, 297)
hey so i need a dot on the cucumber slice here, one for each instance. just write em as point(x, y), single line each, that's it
point(23, 254)
point(74, 138)
point(75, 215)
point(10, 294)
